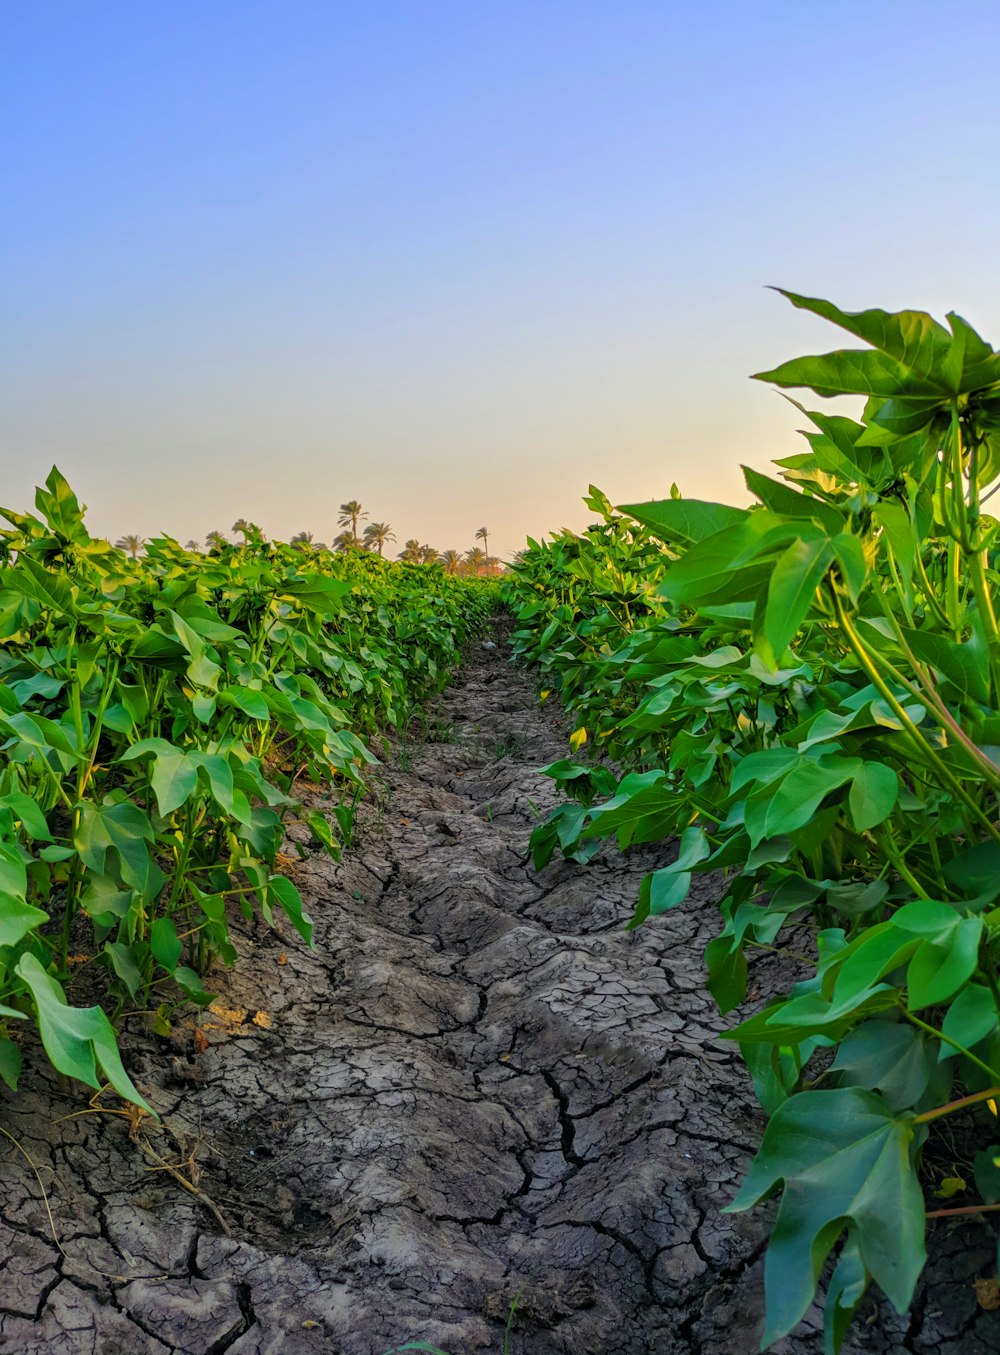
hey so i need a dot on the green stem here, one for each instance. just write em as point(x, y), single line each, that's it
point(889, 847)
point(929, 597)
point(961, 1049)
point(927, 752)
point(927, 693)
point(988, 1095)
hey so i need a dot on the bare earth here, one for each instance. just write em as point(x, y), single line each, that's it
point(477, 1086)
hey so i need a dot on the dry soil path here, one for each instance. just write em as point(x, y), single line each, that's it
point(477, 1086)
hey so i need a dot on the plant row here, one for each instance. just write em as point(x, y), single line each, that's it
point(156, 715)
point(806, 693)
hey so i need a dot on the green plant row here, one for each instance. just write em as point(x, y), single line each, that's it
point(155, 717)
point(806, 693)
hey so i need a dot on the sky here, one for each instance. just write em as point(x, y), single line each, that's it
point(460, 259)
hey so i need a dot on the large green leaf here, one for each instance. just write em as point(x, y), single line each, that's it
point(854, 372)
point(788, 502)
point(966, 666)
point(683, 521)
point(895, 1059)
point(873, 794)
point(78, 1040)
point(17, 919)
point(124, 828)
point(174, 777)
point(914, 339)
point(707, 573)
point(790, 594)
point(317, 594)
point(780, 809)
point(843, 1161)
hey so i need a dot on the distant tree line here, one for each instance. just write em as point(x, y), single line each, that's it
point(375, 536)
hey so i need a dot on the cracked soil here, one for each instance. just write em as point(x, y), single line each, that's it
point(478, 1085)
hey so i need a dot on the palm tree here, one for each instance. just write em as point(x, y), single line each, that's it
point(411, 551)
point(193, 545)
point(306, 541)
point(451, 561)
point(345, 541)
point(475, 558)
point(241, 525)
point(483, 535)
point(351, 513)
point(377, 535)
point(132, 545)
point(428, 555)
point(214, 540)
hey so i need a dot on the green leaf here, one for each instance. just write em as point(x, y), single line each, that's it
point(965, 666)
point(317, 593)
point(35, 731)
point(165, 943)
point(247, 700)
point(843, 1161)
point(790, 594)
point(191, 984)
point(987, 1174)
point(282, 892)
point(899, 533)
point(940, 967)
point(10, 1062)
point(975, 869)
point(683, 521)
point(854, 372)
point(175, 776)
point(970, 1018)
point(32, 818)
point(845, 1291)
point(914, 339)
point(60, 507)
point(775, 810)
point(894, 1059)
point(850, 555)
point(706, 573)
point(873, 794)
point(17, 919)
point(217, 774)
point(788, 502)
point(123, 962)
point(125, 828)
point(78, 1040)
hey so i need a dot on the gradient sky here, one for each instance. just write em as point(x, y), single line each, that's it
point(458, 260)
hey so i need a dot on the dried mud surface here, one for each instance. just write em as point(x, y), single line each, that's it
point(477, 1085)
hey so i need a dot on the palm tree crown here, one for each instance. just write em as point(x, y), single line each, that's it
point(411, 551)
point(451, 561)
point(351, 513)
point(483, 535)
point(377, 535)
point(306, 541)
point(131, 544)
point(475, 558)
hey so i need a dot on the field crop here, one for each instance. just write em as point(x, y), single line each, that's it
point(806, 694)
point(156, 715)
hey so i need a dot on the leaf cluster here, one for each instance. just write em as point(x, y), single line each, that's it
point(156, 717)
point(806, 694)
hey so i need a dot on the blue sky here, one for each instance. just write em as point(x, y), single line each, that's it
point(459, 260)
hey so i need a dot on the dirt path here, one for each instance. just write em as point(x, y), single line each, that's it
point(476, 1086)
